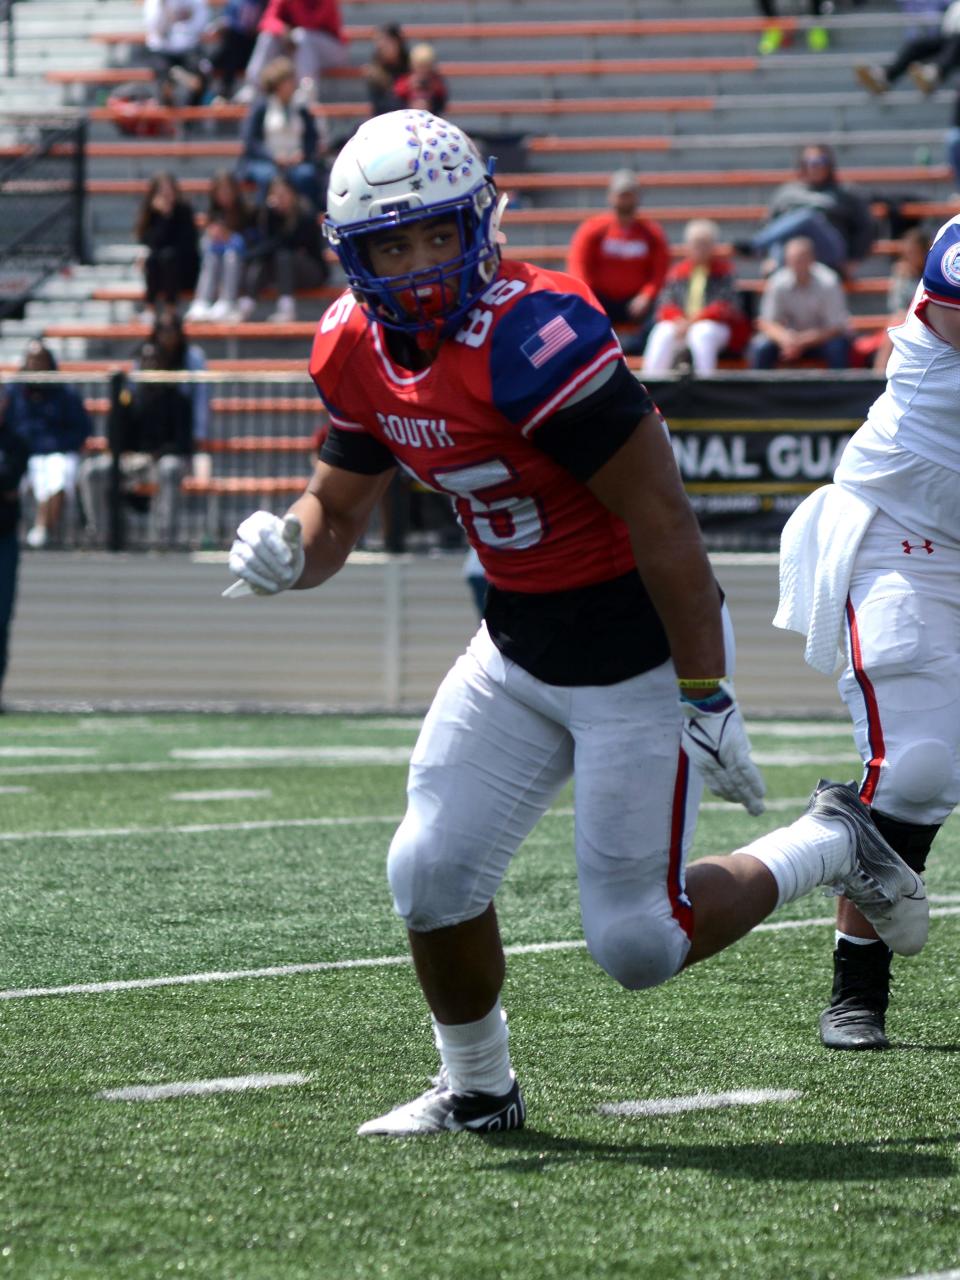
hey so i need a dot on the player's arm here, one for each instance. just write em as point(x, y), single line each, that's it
point(312, 541)
point(640, 483)
point(333, 513)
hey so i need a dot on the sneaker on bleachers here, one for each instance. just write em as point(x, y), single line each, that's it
point(872, 78)
point(286, 310)
point(772, 39)
point(924, 75)
point(198, 311)
point(245, 309)
point(818, 39)
point(221, 311)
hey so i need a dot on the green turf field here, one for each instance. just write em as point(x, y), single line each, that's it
point(132, 849)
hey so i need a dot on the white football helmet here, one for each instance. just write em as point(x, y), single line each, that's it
point(402, 167)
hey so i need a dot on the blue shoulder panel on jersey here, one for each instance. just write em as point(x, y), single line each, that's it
point(941, 273)
point(539, 345)
point(331, 409)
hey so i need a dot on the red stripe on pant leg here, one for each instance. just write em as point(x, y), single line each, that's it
point(878, 749)
point(679, 902)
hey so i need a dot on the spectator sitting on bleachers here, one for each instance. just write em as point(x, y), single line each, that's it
point(389, 62)
point(236, 35)
point(623, 257)
point(174, 29)
point(905, 275)
point(230, 220)
point(175, 352)
point(698, 310)
point(815, 204)
point(166, 227)
point(53, 422)
point(313, 28)
point(280, 135)
point(803, 313)
point(423, 88)
point(286, 251)
point(928, 59)
point(152, 429)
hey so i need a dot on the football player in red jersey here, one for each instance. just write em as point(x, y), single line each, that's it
point(504, 386)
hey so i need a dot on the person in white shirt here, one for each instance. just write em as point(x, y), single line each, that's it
point(870, 573)
point(174, 30)
point(803, 313)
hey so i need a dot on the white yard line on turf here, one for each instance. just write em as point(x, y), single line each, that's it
point(335, 757)
point(220, 795)
point(697, 1102)
point(374, 962)
point(18, 751)
point(15, 791)
point(936, 1275)
point(185, 1088)
point(268, 824)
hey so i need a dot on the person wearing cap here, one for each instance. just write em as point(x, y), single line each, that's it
point(622, 256)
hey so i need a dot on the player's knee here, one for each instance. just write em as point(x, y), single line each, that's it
point(922, 772)
point(426, 888)
point(638, 952)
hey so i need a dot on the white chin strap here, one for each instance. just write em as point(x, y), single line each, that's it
point(489, 268)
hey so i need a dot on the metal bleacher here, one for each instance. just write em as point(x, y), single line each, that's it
point(676, 90)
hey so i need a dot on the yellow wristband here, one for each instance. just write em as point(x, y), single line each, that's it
point(702, 683)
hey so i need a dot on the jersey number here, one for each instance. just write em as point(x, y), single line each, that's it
point(487, 508)
point(338, 312)
point(474, 332)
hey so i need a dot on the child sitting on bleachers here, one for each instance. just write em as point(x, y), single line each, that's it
point(230, 218)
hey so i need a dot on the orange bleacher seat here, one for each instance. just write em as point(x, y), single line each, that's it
point(296, 330)
point(499, 68)
point(498, 107)
point(584, 29)
point(714, 179)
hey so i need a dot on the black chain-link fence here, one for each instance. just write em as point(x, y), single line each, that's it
point(42, 177)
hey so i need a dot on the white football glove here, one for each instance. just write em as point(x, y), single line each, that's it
point(716, 743)
point(267, 553)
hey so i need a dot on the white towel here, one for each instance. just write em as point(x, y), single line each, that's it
point(817, 549)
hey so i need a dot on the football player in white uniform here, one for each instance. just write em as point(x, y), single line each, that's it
point(604, 647)
point(870, 573)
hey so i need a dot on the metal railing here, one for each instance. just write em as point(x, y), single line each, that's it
point(749, 447)
point(42, 195)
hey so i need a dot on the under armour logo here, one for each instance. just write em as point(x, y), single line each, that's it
point(926, 545)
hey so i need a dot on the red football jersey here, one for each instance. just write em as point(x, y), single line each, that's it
point(467, 425)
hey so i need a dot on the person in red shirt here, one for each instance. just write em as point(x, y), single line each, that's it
point(504, 386)
point(622, 256)
point(423, 87)
point(314, 28)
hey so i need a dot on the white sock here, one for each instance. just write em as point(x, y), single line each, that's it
point(850, 937)
point(809, 852)
point(475, 1054)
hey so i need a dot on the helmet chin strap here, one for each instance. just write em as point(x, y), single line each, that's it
point(489, 269)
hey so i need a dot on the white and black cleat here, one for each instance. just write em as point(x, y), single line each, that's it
point(440, 1110)
point(880, 884)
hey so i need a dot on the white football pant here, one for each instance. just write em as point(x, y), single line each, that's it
point(901, 683)
point(495, 749)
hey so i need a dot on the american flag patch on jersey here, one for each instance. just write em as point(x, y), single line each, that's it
point(547, 341)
